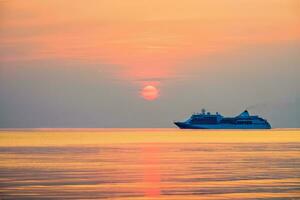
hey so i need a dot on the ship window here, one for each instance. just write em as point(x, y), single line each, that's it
point(244, 122)
point(206, 120)
point(228, 120)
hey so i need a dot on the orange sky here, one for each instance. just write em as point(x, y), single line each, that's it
point(141, 39)
point(147, 38)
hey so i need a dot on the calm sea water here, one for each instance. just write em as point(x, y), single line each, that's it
point(142, 164)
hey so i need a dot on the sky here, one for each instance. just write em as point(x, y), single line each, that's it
point(147, 63)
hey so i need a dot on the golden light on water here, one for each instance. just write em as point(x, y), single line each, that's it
point(144, 164)
point(120, 136)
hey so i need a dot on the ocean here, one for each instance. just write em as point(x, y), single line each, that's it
point(146, 164)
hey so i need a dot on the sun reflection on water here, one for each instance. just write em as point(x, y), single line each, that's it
point(152, 175)
point(150, 164)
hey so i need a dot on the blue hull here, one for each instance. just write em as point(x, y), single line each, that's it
point(184, 125)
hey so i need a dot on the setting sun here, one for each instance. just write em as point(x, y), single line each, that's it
point(150, 93)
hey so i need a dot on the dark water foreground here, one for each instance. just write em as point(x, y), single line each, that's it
point(151, 171)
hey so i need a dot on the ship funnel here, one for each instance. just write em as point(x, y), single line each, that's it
point(244, 114)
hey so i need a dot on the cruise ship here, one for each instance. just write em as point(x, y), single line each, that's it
point(206, 120)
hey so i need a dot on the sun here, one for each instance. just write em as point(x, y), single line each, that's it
point(150, 93)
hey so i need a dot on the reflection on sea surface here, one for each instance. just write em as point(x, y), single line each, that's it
point(151, 171)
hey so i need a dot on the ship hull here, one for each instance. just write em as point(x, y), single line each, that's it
point(184, 125)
